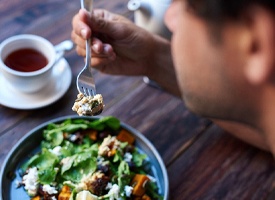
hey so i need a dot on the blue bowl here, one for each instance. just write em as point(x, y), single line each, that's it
point(30, 144)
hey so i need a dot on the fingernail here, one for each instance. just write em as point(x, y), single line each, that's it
point(107, 49)
point(83, 33)
point(96, 48)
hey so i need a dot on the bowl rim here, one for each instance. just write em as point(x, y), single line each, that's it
point(59, 119)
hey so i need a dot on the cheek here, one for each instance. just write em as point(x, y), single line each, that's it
point(181, 23)
point(196, 60)
point(186, 49)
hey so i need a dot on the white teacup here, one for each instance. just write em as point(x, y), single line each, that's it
point(29, 80)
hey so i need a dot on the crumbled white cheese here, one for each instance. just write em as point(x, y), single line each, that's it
point(50, 190)
point(114, 192)
point(73, 138)
point(108, 186)
point(128, 157)
point(88, 105)
point(100, 160)
point(56, 150)
point(30, 180)
point(128, 190)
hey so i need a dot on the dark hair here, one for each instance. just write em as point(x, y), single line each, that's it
point(217, 11)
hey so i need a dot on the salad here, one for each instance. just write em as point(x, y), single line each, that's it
point(88, 105)
point(88, 160)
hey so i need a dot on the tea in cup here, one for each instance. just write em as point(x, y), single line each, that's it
point(26, 62)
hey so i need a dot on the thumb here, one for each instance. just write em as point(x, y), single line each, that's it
point(102, 21)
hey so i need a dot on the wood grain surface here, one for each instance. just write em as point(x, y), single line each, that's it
point(203, 161)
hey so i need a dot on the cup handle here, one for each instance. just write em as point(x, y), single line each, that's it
point(61, 48)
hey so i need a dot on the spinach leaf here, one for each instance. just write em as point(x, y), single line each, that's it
point(138, 158)
point(76, 172)
point(44, 160)
point(105, 122)
point(67, 163)
point(47, 176)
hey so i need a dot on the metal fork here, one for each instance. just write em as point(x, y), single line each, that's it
point(85, 82)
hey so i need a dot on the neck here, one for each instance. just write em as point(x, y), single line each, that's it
point(268, 116)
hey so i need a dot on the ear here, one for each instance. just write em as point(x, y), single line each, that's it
point(260, 65)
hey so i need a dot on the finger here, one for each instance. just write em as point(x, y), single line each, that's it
point(80, 24)
point(108, 50)
point(84, 15)
point(101, 63)
point(102, 21)
point(80, 51)
point(97, 46)
point(98, 13)
point(79, 44)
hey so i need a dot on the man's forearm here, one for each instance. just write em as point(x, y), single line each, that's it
point(161, 67)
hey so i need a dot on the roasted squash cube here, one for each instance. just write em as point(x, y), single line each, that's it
point(138, 183)
point(145, 197)
point(125, 136)
point(65, 193)
point(93, 135)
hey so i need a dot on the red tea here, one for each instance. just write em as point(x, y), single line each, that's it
point(26, 60)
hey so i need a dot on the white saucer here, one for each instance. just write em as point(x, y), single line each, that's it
point(61, 81)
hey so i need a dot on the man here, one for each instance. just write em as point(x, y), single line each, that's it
point(222, 62)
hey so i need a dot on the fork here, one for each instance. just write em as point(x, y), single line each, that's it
point(85, 82)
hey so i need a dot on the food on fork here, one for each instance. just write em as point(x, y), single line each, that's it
point(88, 105)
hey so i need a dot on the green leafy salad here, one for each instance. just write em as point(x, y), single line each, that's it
point(88, 160)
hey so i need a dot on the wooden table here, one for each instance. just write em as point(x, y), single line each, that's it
point(203, 162)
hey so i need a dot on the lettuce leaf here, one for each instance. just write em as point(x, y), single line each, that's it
point(44, 160)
